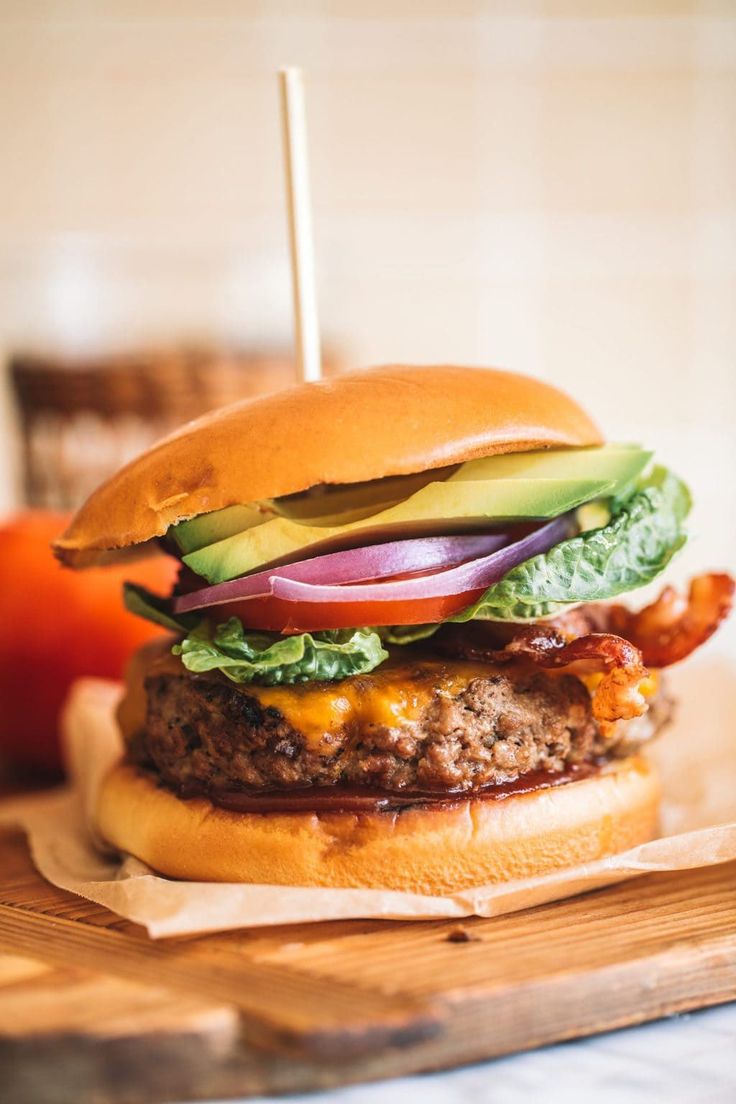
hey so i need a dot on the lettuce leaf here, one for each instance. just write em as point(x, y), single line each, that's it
point(644, 533)
point(270, 659)
point(405, 634)
point(152, 607)
point(265, 658)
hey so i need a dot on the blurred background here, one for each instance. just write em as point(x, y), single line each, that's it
point(548, 186)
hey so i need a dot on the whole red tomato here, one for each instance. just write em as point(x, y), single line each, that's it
point(55, 626)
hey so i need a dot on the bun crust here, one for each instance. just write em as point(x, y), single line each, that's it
point(419, 850)
point(348, 429)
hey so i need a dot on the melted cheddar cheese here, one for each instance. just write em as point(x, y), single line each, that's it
point(394, 695)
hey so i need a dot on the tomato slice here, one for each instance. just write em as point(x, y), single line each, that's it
point(278, 615)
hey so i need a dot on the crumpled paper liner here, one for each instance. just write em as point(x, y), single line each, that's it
point(697, 760)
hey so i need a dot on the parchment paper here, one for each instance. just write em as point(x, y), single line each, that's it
point(697, 759)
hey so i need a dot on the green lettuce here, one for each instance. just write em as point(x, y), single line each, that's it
point(152, 607)
point(405, 634)
point(270, 659)
point(644, 533)
point(249, 656)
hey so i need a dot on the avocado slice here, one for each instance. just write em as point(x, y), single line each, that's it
point(336, 504)
point(329, 506)
point(206, 529)
point(324, 506)
point(619, 463)
point(436, 508)
point(338, 511)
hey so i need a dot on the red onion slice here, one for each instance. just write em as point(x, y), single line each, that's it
point(376, 561)
point(477, 574)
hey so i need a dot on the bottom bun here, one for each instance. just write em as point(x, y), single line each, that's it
point(420, 849)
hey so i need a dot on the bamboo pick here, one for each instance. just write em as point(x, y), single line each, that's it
point(306, 322)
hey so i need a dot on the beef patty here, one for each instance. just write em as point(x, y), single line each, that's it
point(451, 732)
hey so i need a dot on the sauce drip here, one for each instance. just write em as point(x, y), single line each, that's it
point(349, 799)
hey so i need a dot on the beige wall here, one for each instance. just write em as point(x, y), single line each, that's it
point(547, 186)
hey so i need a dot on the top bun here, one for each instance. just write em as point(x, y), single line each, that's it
point(354, 427)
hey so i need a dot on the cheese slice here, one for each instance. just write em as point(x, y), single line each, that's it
point(393, 696)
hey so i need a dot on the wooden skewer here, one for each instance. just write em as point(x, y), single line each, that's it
point(306, 321)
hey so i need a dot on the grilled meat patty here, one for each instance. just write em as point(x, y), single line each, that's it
point(493, 724)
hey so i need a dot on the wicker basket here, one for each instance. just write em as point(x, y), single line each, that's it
point(82, 419)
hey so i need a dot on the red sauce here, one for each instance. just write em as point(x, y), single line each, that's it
point(348, 799)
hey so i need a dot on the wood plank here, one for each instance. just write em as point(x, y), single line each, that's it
point(36, 999)
point(324, 1004)
point(278, 1006)
point(631, 922)
point(71, 1035)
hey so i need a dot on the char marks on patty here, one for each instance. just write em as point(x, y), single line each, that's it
point(203, 733)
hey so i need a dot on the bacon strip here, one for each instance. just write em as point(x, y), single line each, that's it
point(669, 629)
point(607, 639)
point(616, 697)
point(666, 631)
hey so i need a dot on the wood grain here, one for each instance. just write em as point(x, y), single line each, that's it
point(299, 1007)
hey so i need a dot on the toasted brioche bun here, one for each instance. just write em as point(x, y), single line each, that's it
point(430, 850)
point(349, 429)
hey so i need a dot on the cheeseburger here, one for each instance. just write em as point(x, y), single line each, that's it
point(399, 659)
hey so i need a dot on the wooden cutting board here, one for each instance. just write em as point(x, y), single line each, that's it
point(92, 1010)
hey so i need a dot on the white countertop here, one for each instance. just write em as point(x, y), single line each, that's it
point(689, 1059)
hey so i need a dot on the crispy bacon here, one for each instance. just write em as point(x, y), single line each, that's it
point(666, 631)
point(616, 697)
point(669, 629)
point(607, 639)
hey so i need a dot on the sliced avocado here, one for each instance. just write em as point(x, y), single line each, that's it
point(619, 463)
point(436, 508)
point(340, 503)
point(336, 510)
point(593, 515)
point(324, 506)
point(216, 526)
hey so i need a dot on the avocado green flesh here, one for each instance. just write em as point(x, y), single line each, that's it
point(328, 506)
point(335, 504)
point(435, 508)
point(322, 506)
point(619, 463)
point(513, 486)
point(206, 529)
